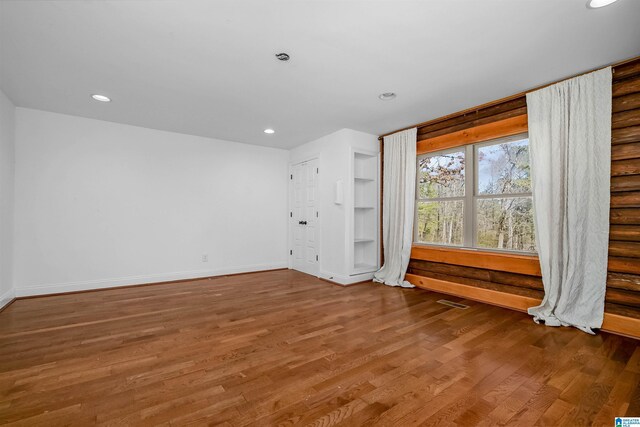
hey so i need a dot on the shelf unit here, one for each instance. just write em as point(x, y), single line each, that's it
point(364, 236)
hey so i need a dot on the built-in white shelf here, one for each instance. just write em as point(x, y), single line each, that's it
point(364, 258)
point(360, 267)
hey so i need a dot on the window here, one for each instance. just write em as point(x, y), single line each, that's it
point(477, 196)
point(440, 204)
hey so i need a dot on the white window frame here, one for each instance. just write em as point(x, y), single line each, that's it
point(471, 195)
point(442, 199)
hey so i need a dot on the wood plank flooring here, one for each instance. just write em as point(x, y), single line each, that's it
point(284, 348)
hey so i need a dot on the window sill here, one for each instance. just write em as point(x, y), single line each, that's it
point(509, 262)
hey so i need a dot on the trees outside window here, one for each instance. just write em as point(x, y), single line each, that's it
point(476, 196)
point(440, 204)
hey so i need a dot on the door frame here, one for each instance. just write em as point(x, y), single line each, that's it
point(290, 209)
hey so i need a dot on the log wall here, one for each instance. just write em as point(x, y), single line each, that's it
point(623, 283)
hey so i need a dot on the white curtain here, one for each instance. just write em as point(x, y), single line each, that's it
point(570, 143)
point(399, 192)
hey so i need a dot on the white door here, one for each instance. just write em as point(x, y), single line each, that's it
point(304, 217)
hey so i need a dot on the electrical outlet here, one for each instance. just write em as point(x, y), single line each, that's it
point(205, 258)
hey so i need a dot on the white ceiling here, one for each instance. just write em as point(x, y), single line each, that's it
point(208, 67)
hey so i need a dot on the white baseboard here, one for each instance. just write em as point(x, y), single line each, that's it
point(56, 288)
point(346, 280)
point(7, 297)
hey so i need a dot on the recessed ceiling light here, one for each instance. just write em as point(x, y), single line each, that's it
point(595, 4)
point(101, 98)
point(387, 96)
point(269, 131)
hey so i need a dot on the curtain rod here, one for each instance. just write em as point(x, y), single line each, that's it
point(508, 98)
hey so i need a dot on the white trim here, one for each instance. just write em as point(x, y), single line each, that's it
point(346, 280)
point(469, 217)
point(502, 196)
point(7, 297)
point(55, 288)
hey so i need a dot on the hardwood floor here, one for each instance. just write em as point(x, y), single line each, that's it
point(283, 348)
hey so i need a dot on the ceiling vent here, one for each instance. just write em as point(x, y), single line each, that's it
point(387, 96)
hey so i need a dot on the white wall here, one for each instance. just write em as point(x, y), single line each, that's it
point(334, 154)
point(7, 120)
point(101, 204)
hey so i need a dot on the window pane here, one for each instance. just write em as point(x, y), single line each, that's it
point(504, 168)
point(440, 222)
point(506, 223)
point(441, 175)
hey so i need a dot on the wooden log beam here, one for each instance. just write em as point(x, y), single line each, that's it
point(627, 233)
point(626, 325)
point(511, 263)
point(626, 86)
point(506, 127)
point(471, 114)
point(625, 249)
point(470, 124)
point(630, 282)
point(622, 297)
point(623, 71)
point(625, 167)
point(627, 102)
point(516, 290)
point(513, 279)
point(452, 270)
point(624, 216)
point(625, 135)
point(629, 199)
point(622, 310)
point(625, 119)
point(500, 277)
point(625, 151)
point(624, 264)
point(625, 183)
